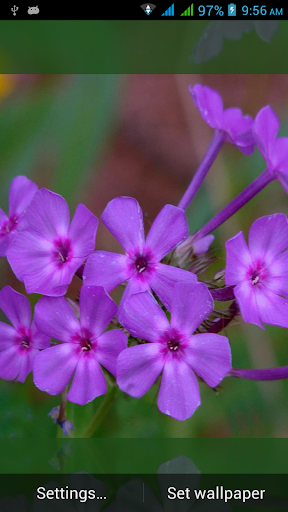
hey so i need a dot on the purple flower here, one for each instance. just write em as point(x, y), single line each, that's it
point(48, 253)
point(141, 264)
point(172, 349)
point(237, 127)
point(18, 344)
point(21, 193)
point(85, 346)
point(260, 271)
point(274, 150)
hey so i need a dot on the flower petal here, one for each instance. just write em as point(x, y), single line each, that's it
point(96, 309)
point(164, 279)
point(29, 252)
point(30, 258)
point(109, 345)
point(55, 318)
point(9, 363)
point(179, 394)
point(138, 367)
point(268, 236)
point(124, 219)
point(239, 129)
point(83, 231)
point(6, 241)
point(88, 381)
point(21, 193)
point(191, 304)
point(209, 103)
point(246, 298)
point(54, 367)
point(142, 316)
point(168, 230)
point(8, 336)
point(106, 269)
point(209, 355)
point(26, 363)
point(48, 215)
point(272, 309)
point(266, 127)
point(134, 285)
point(39, 340)
point(16, 307)
point(238, 259)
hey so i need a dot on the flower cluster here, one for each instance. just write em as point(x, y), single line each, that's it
point(166, 326)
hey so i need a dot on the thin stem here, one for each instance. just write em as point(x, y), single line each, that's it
point(264, 374)
point(237, 203)
point(209, 157)
point(100, 413)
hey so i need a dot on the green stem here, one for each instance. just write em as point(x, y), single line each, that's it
point(100, 413)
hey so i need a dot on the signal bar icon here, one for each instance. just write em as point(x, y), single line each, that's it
point(169, 12)
point(188, 11)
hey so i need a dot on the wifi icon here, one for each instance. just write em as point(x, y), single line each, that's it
point(169, 12)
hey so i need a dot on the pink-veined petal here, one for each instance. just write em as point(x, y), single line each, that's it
point(238, 259)
point(179, 394)
point(209, 355)
point(164, 279)
point(124, 219)
point(96, 309)
point(138, 367)
point(168, 230)
point(55, 318)
point(109, 345)
point(16, 307)
point(83, 231)
point(54, 367)
point(268, 236)
point(48, 215)
point(142, 316)
point(88, 381)
point(106, 269)
point(21, 193)
point(191, 304)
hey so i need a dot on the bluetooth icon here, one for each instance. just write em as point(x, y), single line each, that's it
point(232, 10)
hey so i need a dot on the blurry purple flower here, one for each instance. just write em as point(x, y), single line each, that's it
point(172, 349)
point(66, 425)
point(85, 345)
point(236, 126)
point(274, 150)
point(18, 344)
point(21, 193)
point(141, 264)
point(260, 271)
point(48, 253)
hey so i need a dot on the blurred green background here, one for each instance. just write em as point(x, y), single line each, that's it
point(93, 137)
